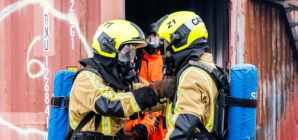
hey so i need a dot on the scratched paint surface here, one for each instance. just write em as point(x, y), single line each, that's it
point(266, 45)
point(38, 38)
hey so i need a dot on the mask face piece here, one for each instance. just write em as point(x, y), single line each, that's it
point(126, 62)
point(128, 72)
point(127, 54)
point(153, 44)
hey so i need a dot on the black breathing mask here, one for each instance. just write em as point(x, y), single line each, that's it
point(153, 44)
point(126, 63)
point(169, 65)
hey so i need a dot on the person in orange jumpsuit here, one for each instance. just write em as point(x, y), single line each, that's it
point(150, 61)
point(149, 68)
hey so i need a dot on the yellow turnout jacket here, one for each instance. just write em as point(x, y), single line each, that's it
point(194, 102)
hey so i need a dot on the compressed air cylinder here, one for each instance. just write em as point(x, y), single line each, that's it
point(243, 85)
point(58, 121)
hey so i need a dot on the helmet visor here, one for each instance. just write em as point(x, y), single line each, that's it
point(137, 44)
point(127, 53)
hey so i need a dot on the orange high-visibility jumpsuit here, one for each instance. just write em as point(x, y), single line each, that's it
point(151, 70)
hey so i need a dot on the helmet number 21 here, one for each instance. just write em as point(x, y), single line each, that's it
point(171, 23)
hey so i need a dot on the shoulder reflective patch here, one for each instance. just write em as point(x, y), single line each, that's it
point(93, 80)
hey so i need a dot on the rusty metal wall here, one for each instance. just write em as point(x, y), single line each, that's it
point(259, 37)
point(37, 38)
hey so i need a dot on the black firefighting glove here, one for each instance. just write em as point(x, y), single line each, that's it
point(149, 96)
point(140, 132)
point(165, 88)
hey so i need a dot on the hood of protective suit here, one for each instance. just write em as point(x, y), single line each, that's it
point(108, 69)
point(193, 52)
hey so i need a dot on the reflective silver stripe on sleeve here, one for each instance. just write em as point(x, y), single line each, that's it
point(135, 104)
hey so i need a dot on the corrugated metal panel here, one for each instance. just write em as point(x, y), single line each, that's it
point(267, 46)
point(28, 63)
point(237, 29)
point(294, 18)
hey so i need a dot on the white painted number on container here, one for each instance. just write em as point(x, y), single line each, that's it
point(46, 89)
point(72, 27)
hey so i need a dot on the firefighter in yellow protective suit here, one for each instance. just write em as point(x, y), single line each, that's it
point(194, 101)
point(103, 95)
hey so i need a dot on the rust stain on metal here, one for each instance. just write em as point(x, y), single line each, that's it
point(267, 47)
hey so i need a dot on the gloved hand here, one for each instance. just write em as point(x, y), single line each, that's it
point(131, 136)
point(165, 88)
point(139, 132)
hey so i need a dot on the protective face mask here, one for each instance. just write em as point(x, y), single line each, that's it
point(153, 44)
point(126, 62)
point(170, 64)
point(150, 49)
